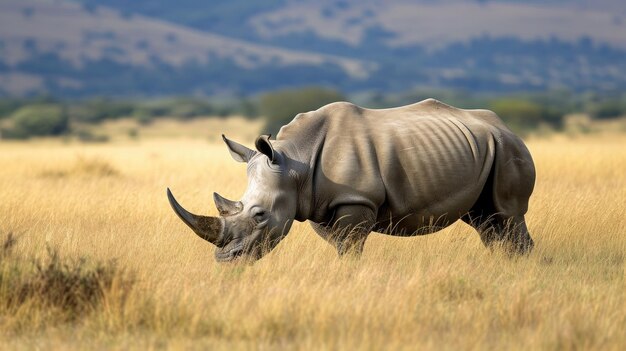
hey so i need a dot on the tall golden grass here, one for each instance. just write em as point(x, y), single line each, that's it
point(442, 291)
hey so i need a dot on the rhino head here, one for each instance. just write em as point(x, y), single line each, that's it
point(253, 226)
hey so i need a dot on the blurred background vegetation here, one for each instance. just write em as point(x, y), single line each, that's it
point(22, 118)
point(78, 68)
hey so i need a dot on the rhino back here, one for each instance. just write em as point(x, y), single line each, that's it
point(413, 163)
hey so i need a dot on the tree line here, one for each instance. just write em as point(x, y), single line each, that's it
point(46, 116)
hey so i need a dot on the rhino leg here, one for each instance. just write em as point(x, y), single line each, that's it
point(348, 229)
point(496, 231)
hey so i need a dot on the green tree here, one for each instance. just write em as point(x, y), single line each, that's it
point(522, 115)
point(98, 109)
point(608, 109)
point(8, 106)
point(38, 120)
point(282, 106)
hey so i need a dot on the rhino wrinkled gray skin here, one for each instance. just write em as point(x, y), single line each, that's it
point(403, 171)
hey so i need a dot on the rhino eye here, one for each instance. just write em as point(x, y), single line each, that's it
point(259, 215)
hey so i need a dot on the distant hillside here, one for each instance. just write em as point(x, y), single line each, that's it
point(430, 22)
point(233, 47)
point(67, 47)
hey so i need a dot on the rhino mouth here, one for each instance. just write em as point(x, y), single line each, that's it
point(231, 254)
point(241, 247)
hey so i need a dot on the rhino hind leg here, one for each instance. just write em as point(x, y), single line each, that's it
point(498, 215)
point(348, 229)
point(501, 223)
point(496, 231)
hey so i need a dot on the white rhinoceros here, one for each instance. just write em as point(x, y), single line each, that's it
point(402, 171)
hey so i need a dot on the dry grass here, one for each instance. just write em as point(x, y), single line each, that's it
point(443, 291)
point(82, 167)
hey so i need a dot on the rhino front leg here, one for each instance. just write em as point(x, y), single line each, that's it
point(348, 229)
point(344, 240)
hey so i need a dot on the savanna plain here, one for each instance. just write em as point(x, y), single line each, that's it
point(92, 256)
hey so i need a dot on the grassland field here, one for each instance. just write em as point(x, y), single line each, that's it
point(438, 292)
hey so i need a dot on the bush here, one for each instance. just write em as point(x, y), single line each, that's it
point(143, 116)
point(247, 108)
point(87, 136)
point(8, 106)
point(98, 109)
point(181, 108)
point(280, 107)
point(608, 109)
point(38, 120)
point(133, 133)
point(522, 115)
point(188, 108)
point(67, 288)
point(93, 167)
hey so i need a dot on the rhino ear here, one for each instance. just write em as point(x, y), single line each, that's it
point(239, 152)
point(265, 147)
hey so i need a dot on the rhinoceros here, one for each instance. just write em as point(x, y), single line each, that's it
point(350, 170)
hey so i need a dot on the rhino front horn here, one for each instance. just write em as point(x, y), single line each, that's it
point(208, 228)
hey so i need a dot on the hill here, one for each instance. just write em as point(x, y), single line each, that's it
point(77, 49)
point(158, 47)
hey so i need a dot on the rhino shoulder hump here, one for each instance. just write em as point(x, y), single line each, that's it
point(431, 101)
point(433, 106)
point(436, 104)
point(339, 106)
point(488, 116)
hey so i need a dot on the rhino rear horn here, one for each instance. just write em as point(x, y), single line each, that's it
point(225, 206)
point(208, 228)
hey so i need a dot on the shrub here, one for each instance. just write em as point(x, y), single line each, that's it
point(84, 167)
point(608, 109)
point(87, 136)
point(38, 120)
point(247, 108)
point(522, 115)
point(74, 286)
point(182, 108)
point(8, 106)
point(282, 106)
point(69, 288)
point(98, 109)
point(189, 107)
point(133, 133)
point(143, 116)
